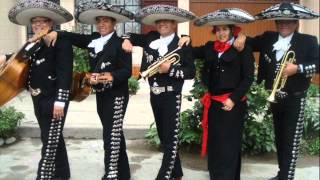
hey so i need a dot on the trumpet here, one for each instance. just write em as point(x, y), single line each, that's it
point(280, 80)
point(172, 58)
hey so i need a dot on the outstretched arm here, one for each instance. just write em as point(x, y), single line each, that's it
point(79, 40)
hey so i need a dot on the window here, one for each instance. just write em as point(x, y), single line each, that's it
point(29, 29)
point(121, 28)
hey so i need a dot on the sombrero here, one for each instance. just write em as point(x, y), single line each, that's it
point(287, 11)
point(25, 10)
point(150, 14)
point(88, 10)
point(225, 17)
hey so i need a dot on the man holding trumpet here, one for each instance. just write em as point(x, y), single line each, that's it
point(288, 99)
point(165, 80)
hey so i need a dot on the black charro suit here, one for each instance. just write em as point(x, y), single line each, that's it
point(165, 98)
point(49, 81)
point(233, 73)
point(288, 112)
point(112, 99)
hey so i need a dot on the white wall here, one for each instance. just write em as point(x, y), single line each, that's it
point(69, 5)
point(310, 26)
point(183, 28)
point(12, 36)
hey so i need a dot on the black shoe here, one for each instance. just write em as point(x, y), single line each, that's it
point(60, 179)
point(274, 178)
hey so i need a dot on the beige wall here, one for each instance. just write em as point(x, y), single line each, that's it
point(183, 28)
point(11, 36)
point(69, 5)
point(310, 26)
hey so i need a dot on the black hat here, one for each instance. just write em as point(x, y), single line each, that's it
point(287, 11)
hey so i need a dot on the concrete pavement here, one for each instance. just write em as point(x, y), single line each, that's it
point(19, 162)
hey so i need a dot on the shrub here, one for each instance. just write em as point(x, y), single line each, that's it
point(80, 60)
point(133, 85)
point(313, 147)
point(258, 134)
point(9, 121)
point(152, 135)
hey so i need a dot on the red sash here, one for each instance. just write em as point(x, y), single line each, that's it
point(206, 101)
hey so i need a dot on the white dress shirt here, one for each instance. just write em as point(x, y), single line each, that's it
point(98, 44)
point(281, 46)
point(162, 44)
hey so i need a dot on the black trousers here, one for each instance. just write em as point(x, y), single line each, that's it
point(54, 158)
point(166, 110)
point(111, 109)
point(224, 141)
point(288, 115)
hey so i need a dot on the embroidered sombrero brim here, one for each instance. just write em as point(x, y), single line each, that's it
point(88, 10)
point(225, 17)
point(287, 11)
point(150, 14)
point(25, 10)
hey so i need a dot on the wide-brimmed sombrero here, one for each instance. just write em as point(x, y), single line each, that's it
point(287, 11)
point(25, 10)
point(150, 14)
point(88, 10)
point(225, 17)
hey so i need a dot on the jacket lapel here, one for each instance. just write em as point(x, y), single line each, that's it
point(294, 41)
point(229, 54)
point(108, 49)
point(270, 50)
point(173, 44)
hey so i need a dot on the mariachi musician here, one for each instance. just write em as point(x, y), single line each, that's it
point(165, 80)
point(289, 103)
point(228, 75)
point(49, 82)
point(110, 70)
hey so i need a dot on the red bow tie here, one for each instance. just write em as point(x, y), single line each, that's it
point(221, 46)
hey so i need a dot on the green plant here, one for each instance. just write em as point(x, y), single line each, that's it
point(152, 135)
point(191, 132)
point(313, 147)
point(258, 134)
point(80, 60)
point(133, 85)
point(9, 121)
point(311, 118)
point(313, 91)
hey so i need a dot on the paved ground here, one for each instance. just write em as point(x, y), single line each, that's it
point(19, 162)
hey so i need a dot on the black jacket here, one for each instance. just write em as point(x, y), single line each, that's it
point(111, 59)
point(51, 69)
point(307, 54)
point(232, 73)
point(185, 69)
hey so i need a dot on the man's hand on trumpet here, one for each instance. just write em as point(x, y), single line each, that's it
point(164, 67)
point(290, 69)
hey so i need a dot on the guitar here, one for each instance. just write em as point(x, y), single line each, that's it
point(81, 88)
point(14, 72)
